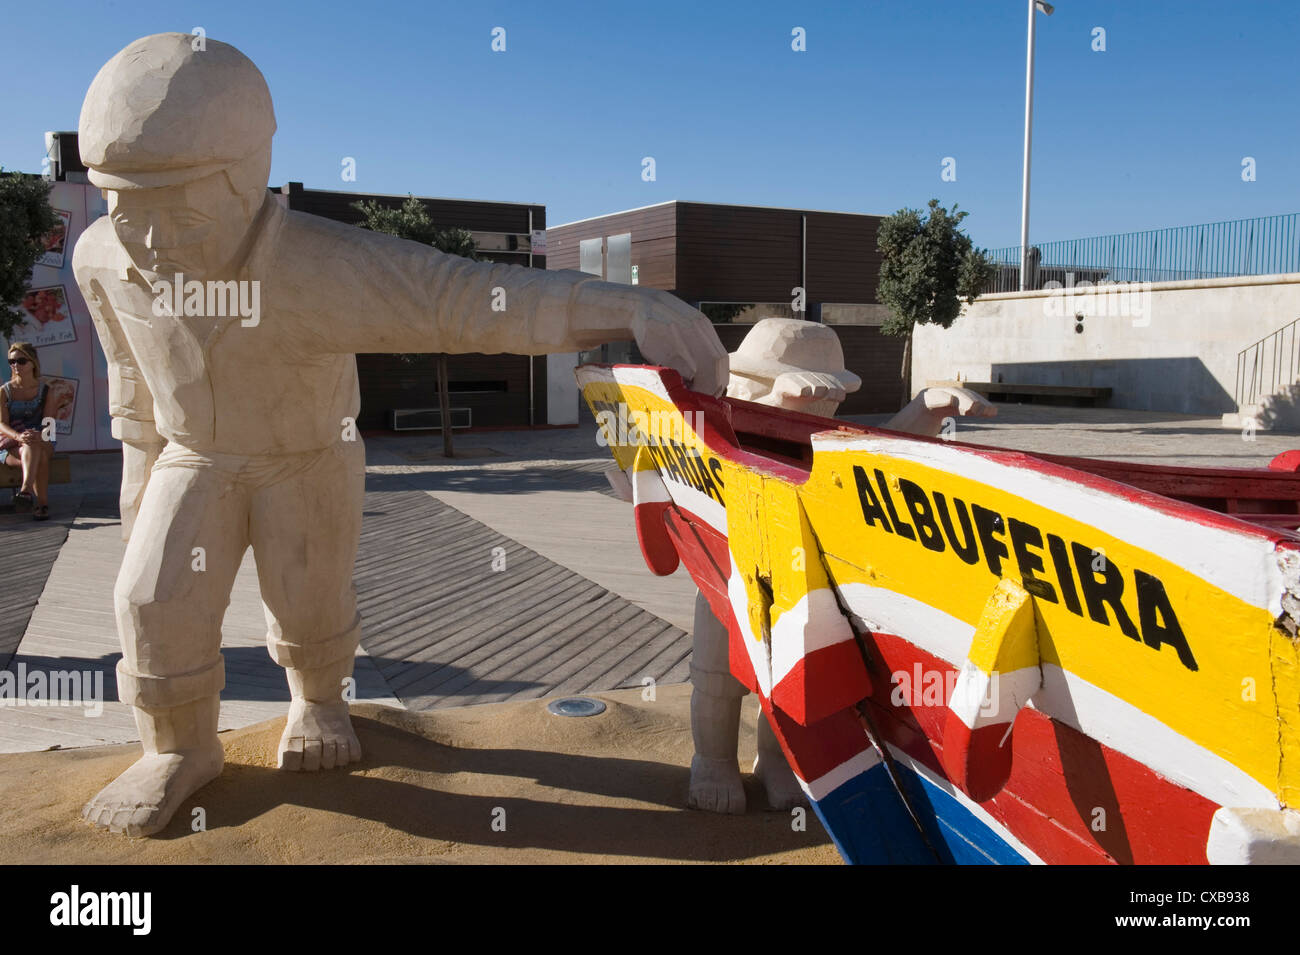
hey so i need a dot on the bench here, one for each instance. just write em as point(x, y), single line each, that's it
point(1049, 394)
point(60, 472)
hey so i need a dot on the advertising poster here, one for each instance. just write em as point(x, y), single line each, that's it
point(58, 323)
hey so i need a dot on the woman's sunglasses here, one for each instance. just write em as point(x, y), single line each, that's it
point(19, 361)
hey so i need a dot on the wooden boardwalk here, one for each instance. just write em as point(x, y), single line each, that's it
point(567, 514)
point(30, 549)
point(455, 613)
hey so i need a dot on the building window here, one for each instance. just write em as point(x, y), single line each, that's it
point(746, 313)
point(840, 313)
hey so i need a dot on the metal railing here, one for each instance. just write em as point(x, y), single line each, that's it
point(1268, 365)
point(1261, 246)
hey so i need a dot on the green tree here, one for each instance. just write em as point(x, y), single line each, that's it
point(411, 221)
point(929, 268)
point(25, 220)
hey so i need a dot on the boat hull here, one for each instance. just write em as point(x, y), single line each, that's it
point(1133, 655)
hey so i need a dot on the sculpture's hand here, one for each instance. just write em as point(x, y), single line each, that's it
point(925, 413)
point(670, 332)
point(796, 388)
point(967, 403)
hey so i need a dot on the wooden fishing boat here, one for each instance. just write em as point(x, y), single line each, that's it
point(977, 655)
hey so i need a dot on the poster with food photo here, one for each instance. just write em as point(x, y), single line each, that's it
point(48, 320)
point(61, 402)
point(56, 241)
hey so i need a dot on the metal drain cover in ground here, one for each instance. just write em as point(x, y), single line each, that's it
point(576, 706)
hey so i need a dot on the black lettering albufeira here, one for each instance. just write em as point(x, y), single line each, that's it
point(687, 465)
point(1024, 536)
point(988, 523)
point(670, 462)
point(871, 509)
point(706, 480)
point(1064, 576)
point(1160, 625)
point(1108, 590)
point(903, 528)
point(716, 467)
point(968, 550)
point(922, 515)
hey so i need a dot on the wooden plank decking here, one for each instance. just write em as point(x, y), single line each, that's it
point(442, 627)
point(457, 613)
point(30, 549)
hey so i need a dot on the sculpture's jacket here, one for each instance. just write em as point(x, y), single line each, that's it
point(326, 292)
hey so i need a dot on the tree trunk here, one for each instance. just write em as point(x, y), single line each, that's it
point(905, 372)
point(444, 407)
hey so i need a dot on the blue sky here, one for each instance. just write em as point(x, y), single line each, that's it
point(1150, 133)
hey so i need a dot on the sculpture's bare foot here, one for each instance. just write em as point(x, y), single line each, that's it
point(782, 789)
point(142, 800)
point(716, 786)
point(318, 736)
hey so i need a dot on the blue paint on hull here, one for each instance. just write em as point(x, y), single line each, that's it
point(870, 826)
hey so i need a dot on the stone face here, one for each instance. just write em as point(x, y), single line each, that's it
point(230, 325)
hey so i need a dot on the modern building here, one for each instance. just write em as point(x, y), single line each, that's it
point(742, 263)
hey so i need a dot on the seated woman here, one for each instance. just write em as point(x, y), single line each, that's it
point(22, 409)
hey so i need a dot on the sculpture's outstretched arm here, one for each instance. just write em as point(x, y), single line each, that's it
point(388, 295)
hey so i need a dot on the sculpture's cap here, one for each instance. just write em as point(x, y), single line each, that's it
point(161, 112)
point(776, 346)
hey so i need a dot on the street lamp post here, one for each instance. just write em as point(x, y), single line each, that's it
point(1047, 8)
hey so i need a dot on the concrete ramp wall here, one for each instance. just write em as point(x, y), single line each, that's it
point(1168, 346)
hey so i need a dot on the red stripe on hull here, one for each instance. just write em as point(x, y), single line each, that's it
point(823, 682)
point(979, 760)
point(1059, 781)
point(657, 546)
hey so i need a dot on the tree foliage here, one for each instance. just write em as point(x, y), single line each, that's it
point(929, 268)
point(411, 221)
point(722, 313)
point(25, 220)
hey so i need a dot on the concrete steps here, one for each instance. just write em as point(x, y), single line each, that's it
point(1279, 411)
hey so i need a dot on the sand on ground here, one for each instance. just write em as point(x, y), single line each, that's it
point(609, 788)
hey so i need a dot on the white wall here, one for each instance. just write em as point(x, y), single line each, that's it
point(561, 389)
point(1173, 347)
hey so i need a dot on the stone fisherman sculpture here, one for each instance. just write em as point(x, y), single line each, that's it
point(238, 429)
point(796, 365)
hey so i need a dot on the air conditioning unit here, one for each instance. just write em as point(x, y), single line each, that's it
point(427, 419)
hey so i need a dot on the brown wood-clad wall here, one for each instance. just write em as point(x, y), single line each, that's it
point(843, 262)
point(653, 230)
point(720, 253)
point(737, 254)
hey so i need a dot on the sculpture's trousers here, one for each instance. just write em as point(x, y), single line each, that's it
point(301, 514)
